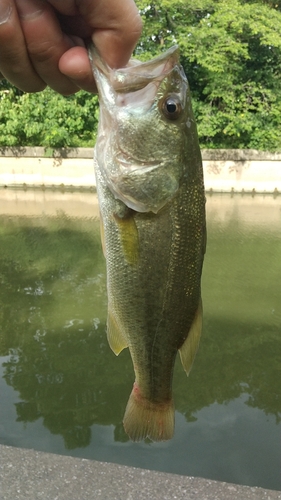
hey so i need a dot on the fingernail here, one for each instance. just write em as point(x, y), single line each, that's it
point(5, 11)
point(27, 9)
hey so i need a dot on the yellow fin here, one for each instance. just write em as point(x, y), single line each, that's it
point(128, 232)
point(189, 348)
point(146, 419)
point(115, 337)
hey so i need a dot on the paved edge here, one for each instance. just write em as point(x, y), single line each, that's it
point(29, 474)
point(207, 154)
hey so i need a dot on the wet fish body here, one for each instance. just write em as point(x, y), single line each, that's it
point(152, 205)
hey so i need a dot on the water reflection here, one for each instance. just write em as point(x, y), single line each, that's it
point(53, 313)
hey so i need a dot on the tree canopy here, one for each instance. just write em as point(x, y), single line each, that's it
point(231, 53)
point(47, 119)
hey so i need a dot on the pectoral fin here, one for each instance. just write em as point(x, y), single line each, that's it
point(115, 336)
point(129, 237)
point(189, 348)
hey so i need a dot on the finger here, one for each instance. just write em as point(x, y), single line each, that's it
point(117, 28)
point(75, 25)
point(15, 64)
point(45, 43)
point(67, 7)
point(76, 66)
point(115, 25)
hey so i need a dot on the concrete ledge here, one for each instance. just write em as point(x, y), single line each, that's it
point(230, 170)
point(40, 152)
point(207, 154)
point(28, 474)
point(34, 167)
point(239, 155)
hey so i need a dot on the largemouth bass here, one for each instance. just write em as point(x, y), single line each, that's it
point(152, 206)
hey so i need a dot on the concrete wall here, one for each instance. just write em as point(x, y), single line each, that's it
point(20, 167)
point(242, 170)
point(224, 170)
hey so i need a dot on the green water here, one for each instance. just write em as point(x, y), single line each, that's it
point(62, 390)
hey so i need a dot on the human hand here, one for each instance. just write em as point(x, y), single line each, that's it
point(43, 42)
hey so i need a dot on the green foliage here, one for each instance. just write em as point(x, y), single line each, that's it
point(47, 119)
point(231, 52)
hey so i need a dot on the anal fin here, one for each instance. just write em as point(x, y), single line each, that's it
point(190, 346)
point(115, 336)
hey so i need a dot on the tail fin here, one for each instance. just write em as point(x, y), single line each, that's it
point(144, 418)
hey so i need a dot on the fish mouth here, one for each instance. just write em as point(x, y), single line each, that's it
point(137, 74)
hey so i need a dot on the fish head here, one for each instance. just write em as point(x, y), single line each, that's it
point(146, 129)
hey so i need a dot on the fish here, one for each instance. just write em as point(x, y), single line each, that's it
point(150, 187)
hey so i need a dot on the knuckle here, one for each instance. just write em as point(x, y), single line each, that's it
point(138, 25)
point(41, 52)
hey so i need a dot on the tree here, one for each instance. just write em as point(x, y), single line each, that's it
point(47, 119)
point(231, 52)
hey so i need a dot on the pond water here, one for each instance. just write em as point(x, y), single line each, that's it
point(62, 390)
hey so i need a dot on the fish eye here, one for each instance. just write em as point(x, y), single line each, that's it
point(172, 107)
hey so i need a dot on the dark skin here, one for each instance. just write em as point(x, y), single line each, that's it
point(43, 42)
